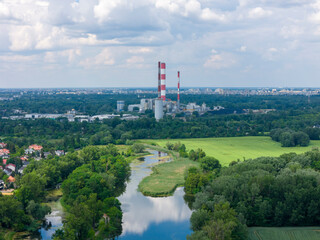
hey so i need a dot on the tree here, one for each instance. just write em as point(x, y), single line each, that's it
point(37, 211)
point(32, 187)
point(138, 148)
point(209, 164)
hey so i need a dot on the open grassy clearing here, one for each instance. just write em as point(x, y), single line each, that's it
point(285, 233)
point(166, 177)
point(231, 149)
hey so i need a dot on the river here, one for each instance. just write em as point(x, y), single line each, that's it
point(143, 217)
point(149, 217)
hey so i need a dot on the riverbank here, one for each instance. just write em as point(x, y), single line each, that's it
point(165, 177)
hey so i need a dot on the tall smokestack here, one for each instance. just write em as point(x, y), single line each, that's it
point(159, 80)
point(163, 81)
point(178, 98)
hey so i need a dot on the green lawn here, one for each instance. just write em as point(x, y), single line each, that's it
point(230, 149)
point(166, 177)
point(285, 233)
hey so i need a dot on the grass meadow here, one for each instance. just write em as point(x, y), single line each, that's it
point(285, 233)
point(231, 149)
point(165, 178)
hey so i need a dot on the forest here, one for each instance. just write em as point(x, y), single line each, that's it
point(267, 191)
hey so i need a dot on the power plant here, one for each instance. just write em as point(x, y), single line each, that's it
point(161, 102)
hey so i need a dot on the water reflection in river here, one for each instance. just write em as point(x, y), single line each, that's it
point(152, 218)
point(53, 220)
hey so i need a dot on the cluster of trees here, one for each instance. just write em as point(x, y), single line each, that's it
point(91, 179)
point(290, 138)
point(24, 211)
point(266, 191)
point(89, 195)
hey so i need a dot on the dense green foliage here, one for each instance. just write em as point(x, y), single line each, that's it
point(88, 195)
point(289, 138)
point(266, 191)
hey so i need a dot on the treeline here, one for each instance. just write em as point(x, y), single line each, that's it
point(55, 134)
point(93, 104)
point(266, 191)
point(290, 138)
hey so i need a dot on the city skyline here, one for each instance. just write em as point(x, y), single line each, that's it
point(116, 43)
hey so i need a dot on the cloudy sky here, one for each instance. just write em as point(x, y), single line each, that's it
point(117, 43)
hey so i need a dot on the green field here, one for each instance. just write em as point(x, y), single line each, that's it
point(285, 233)
point(231, 149)
point(166, 177)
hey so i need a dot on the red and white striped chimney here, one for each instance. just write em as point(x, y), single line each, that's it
point(159, 80)
point(163, 81)
point(178, 98)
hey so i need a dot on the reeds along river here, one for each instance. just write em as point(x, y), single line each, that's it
point(143, 217)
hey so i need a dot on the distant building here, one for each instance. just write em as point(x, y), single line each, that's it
point(3, 145)
point(158, 109)
point(59, 153)
point(21, 169)
point(4, 153)
point(11, 179)
point(35, 147)
point(120, 105)
point(146, 104)
point(11, 166)
point(133, 106)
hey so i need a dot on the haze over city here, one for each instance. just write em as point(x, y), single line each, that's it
point(117, 43)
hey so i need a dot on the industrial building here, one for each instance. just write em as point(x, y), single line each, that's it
point(120, 105)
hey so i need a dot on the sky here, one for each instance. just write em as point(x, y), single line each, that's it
point(118, 43)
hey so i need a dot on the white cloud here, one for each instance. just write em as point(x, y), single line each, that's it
point(259, 12)
point(219, 61)
point(104, 58)
point(141, 50)
point(135, 60)
point(243, 49)
point(55, 57)
point(18, 58)
point(190, 8)
point(104, 8)
point(4, 10)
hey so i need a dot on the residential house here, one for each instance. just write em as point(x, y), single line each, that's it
point(4, 153)
point(3, 145)
point(7, 171)
point(11, 166)
point(59, 153)
point(24, 158)
point(21, 169)
point(35, 147)
point(29, 151)
point(11, 179)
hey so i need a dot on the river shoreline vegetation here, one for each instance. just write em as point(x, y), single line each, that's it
point(231, 163)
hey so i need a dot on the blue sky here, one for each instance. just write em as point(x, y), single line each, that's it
point(117, 43)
